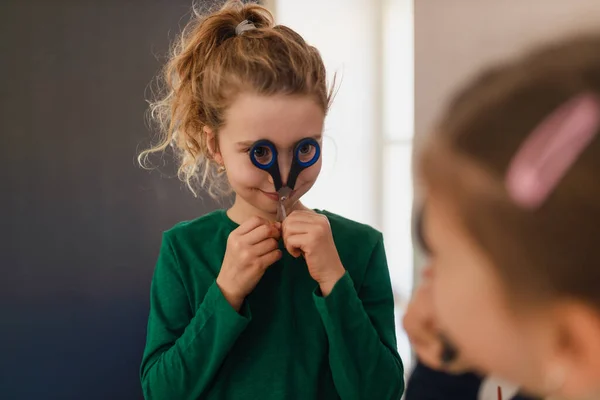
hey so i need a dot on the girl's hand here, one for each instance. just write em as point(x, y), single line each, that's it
point(251, 249)
point(308, 233)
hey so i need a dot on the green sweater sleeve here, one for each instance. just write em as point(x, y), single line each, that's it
point(361, 330)
point(186, 344)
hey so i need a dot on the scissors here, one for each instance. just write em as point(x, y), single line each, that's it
point(264, 156)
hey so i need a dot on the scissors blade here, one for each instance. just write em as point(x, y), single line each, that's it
point(281, 214)
point(284, 194)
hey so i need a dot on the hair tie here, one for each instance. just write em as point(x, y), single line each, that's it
point(244, 26)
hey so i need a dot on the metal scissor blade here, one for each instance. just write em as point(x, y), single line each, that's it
point(281, 214)
point(283, 193)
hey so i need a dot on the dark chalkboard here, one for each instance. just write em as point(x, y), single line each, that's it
point(80, 222)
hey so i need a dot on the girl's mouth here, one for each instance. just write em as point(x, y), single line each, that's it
point(270, 195)
point(275, 196)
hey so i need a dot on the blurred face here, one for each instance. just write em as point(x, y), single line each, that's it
point(284, 120)
point(473, 309)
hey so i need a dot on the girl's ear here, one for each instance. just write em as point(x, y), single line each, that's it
point(212, 145)
point(578, 349)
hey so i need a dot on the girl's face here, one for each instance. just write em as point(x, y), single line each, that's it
point(282, 119)
point(473, 309)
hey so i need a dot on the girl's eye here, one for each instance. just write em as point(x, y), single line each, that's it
point(305, 148)
point(306, 152)
point(261, 151)
point(262, 154)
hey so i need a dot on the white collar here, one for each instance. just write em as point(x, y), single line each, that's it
point(489, 389)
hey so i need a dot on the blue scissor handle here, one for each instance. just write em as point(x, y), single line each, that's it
point(272, 167)
point(297, 164)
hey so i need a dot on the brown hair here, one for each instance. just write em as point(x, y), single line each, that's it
point(210, 65)
point(550, 252)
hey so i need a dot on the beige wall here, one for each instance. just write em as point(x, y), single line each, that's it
point(455, 38)
point(270, 4)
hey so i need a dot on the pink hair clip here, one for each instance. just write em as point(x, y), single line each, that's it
point(551, 149)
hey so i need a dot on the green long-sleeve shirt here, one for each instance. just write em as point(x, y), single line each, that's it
point(288, 341)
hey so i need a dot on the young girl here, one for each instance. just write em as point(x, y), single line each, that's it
point(244, 306)
point(440, 374)
point(513, 220)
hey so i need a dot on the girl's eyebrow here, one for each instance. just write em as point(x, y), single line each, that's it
point(246, 143)
point(419, 234)
point(249, 143)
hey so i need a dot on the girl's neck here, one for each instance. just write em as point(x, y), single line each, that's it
point(241, 211)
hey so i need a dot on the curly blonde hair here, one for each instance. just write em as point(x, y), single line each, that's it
point(209, 65)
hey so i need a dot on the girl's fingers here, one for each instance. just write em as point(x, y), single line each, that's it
point(302, 216)
point(250, 225)
point(296, 228)
point(265, 247)
point(261, 233)
point(294, 243)
point(270, 258)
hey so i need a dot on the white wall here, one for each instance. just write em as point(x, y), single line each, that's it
point(454, 39)
point(343, 31)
